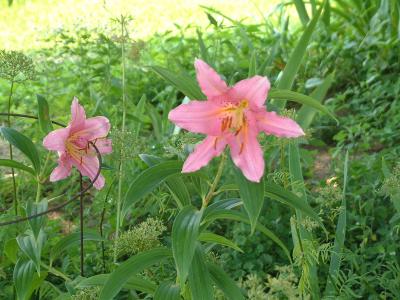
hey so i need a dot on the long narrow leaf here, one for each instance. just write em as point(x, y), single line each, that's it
point(182, 82)
point(16, 165)
point(340, 235)
point(225, 283)
point(185, 232)
point(300, 98)
point(129, 268)
point(293, 65)
point(24, 144)
point(148, 180)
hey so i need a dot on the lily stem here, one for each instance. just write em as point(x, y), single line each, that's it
point(120, 167)
point(11, 150)
point(81, 219)
point(215, 182)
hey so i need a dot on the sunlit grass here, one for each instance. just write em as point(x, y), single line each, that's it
point(25, 23)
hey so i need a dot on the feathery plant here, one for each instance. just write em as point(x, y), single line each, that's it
point(15, 67)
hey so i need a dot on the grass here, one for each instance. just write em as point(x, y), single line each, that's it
point(25, 23)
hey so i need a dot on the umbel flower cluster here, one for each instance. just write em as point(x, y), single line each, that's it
point(16, 66)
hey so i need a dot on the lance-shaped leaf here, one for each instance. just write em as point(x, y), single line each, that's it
point(129, 268)
point(16, 165)
point(33, 209)
point(26, 280)
point(200, 283)
point(252, 195)
point(293, 65)
point(182, 82)
point(167, 291)
point(32, 247)
point(133, 283)
point(43, 114)
point(72, 240)
point(302, 99)
point(210, 237)
point(225, 283)
point(340, 234)
point(185, 232)
point(24, 144)
point(148, 180)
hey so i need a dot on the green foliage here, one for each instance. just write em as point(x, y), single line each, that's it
point(144, 236)
point(335, 57)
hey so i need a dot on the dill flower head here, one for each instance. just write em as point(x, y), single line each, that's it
point(142, 237)
point(16, 66)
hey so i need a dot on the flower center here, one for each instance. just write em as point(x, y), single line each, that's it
point(76, 148)
point(234, 117)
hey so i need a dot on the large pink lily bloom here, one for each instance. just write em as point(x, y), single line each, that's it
point(73, 145)
point(231, 116)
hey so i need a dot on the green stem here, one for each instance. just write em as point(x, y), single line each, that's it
point(11, 150)
point(38, 189)
point(120, 169)
point(215, 182)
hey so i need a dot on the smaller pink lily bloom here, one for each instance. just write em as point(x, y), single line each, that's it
point(73, 145)
point(231, 116)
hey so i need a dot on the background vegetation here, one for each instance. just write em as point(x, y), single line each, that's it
point(353, 54)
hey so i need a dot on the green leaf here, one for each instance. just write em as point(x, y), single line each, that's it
point(302, 12)
point(140, 109)
point(174, 183)
point(11, 249)
point(148, 180)
point(133, 283)
point(33, 209)
point(210, 237)
point(26, 280)
point(167, 291)
point(280, 194)
point(32, 247)
point(129, 268)
point(253, 65)
point(241, 217)
point(293, 65)
point(200, 283)
point(306, 114)
point(300, 98)
point(24, 144)
point(16, 165)
point(298, 188)
point(225, 283)
point(71, 240)
point(340, 234)
point(185, 232)
point(43, 114)
point(203, 48)
point(252, 195)
point(182, 82)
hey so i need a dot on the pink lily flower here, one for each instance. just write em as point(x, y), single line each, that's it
point(73, 147)
point(231, 116)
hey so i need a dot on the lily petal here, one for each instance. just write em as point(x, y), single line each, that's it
point(56, 139)
point(271, 123)
point(94, 128)
point(247, 154)
point(209, 148)
point(78, 115)
point(254, 89)
point(198, 116)
point(63, 169)
point(104, 145)
point(89, 166)
point(210, 82)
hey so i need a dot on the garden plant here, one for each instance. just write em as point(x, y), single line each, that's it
point(229, 160)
